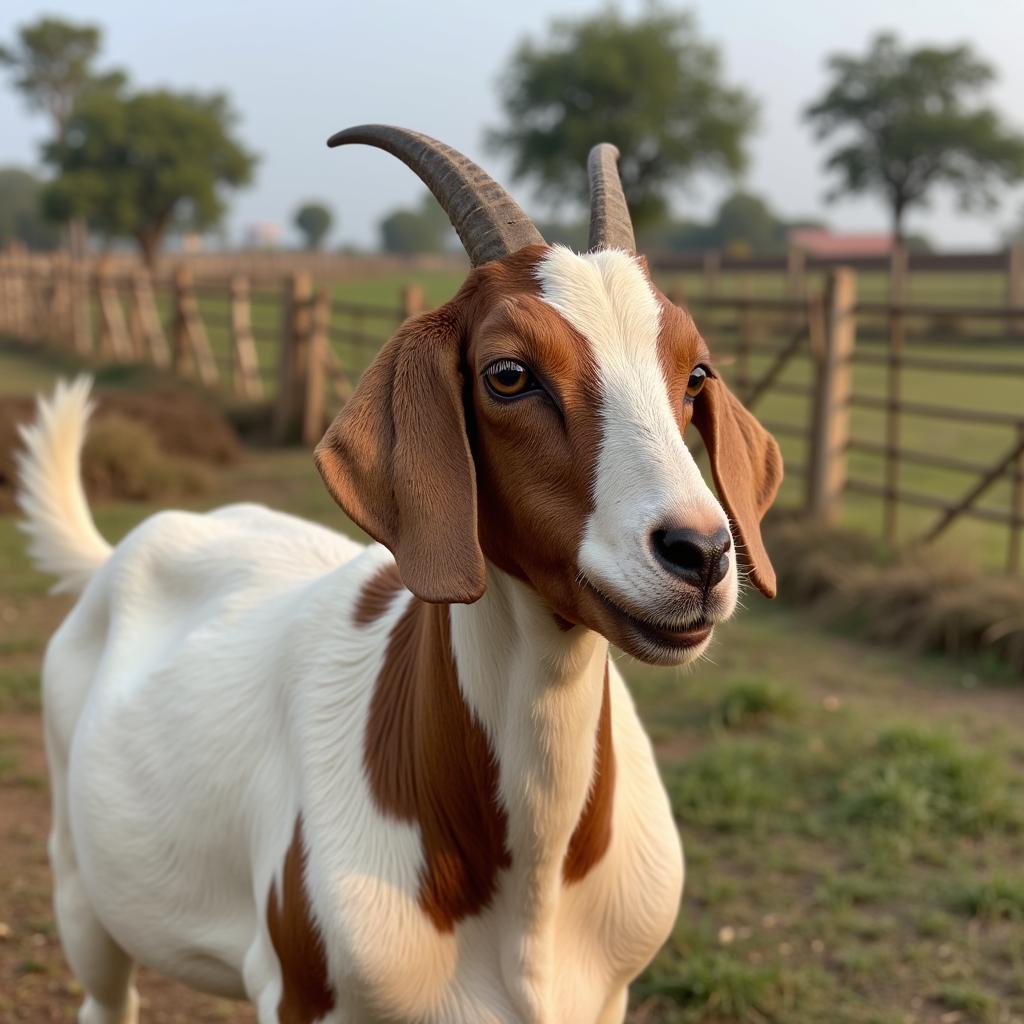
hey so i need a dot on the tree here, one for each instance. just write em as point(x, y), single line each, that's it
point(52, 64)
point(743, 224)
point(424, 229)
point(649, 85)
point(133, 165)
point(912, 120)
point(21, 216)
point(314, 221)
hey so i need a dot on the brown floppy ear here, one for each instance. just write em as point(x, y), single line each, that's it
point(397, 460)
point(747, 466)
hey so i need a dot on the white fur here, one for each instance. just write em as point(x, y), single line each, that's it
point(210, 685)
point(63, 539)
point(646, 476)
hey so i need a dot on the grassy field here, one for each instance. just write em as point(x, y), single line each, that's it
point(853, 818)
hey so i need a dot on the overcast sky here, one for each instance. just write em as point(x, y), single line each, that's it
point(299, 70)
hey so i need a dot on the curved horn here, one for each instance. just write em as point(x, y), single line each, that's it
point(610, 223)
point(487, 219)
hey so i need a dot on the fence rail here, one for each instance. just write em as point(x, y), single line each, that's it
point(221, 332)
point(865, 413)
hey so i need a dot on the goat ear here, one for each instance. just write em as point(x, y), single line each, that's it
point(747, 466)
point(397, 460)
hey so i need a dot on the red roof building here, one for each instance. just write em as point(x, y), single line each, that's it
point(822, 242)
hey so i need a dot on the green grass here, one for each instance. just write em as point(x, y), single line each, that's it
point(1001, 897)
point(976, 1004)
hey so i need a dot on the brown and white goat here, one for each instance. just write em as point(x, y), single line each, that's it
point(404, 782)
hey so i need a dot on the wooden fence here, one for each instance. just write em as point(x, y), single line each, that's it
point(994, 276)
point(842, 382)
point(253, 339)
point(870, 398)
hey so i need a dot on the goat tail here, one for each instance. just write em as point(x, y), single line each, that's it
point(63, 539)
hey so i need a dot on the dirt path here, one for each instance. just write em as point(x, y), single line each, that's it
point(35, 984)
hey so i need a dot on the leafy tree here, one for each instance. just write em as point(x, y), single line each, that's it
point(21, 216)
point(424, 229)
point(912, 120)
point(52, 65)
point(314, 221)
point(134, 165)
point(649, 85)
point(743, 224)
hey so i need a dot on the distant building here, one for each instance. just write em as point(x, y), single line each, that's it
point(265, 235)
point(822, 242)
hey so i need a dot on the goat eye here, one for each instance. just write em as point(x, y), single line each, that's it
point(695, 384)
point(508, 379)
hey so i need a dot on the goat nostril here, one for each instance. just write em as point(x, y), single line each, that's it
point(700, 559)
point(680, 554)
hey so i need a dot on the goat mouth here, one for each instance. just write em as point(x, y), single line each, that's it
point(658, 633)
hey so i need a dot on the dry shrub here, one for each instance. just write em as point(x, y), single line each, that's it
point(169, 424)
point(122, 459)
point(921, 600)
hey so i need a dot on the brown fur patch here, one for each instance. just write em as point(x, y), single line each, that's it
point(306, 994)
point(593, 833)
point(429, 762)
point(745, 460)
point(536, 457)
point(376, 595)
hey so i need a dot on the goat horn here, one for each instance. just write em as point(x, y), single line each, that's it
point(487, 219)
point(610, 223)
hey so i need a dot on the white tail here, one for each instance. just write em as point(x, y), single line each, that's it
point(64, 541)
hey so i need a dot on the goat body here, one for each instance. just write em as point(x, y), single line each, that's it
point(207, 703)
point(404, 782)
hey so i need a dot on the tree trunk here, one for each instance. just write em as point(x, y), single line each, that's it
point(898, 209)
point(78, 238)
point(149, 243)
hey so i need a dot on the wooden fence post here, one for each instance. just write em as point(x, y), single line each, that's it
point(830, 422)
point(893, 400)
point(147, 332)
point(1015, 284)
point(1013, 554)
point(294, 352)
point(796, 281)
point(413, 300)
point(316, 369)
point(899, 273)
point(81, 307)
point(114, 342)
point(744, 337)
point(712, 271)
point(182, 359)
point(245, 367)
point(192, 354)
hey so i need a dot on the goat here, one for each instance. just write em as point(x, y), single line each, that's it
point(404, 782)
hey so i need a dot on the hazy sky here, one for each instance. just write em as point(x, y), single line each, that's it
point(299, 70)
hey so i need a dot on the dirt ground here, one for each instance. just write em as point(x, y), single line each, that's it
point(35, 983)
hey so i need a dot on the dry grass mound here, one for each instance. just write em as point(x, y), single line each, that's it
point(142, 445)
point(920, 600)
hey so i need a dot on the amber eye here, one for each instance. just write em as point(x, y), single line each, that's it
point(508, 379)
point(695, 384)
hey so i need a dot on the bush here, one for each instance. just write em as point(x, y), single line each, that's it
point(122, 459)
point(920, 600)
